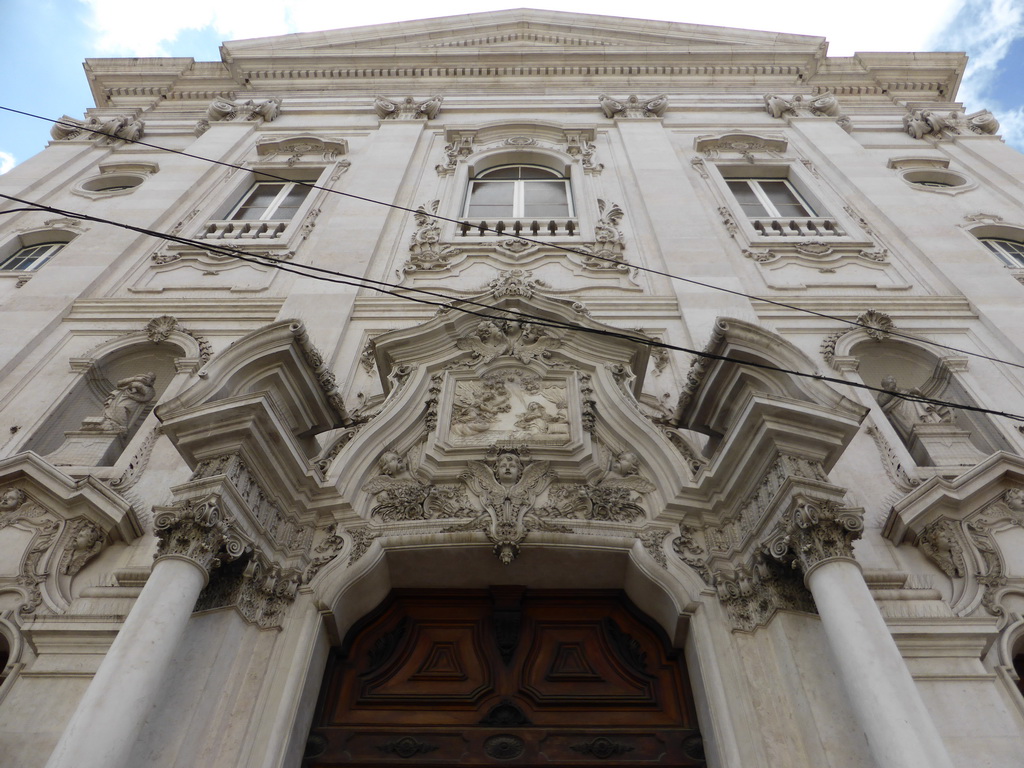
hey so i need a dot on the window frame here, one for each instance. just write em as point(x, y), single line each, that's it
point(1006, 256)
point(52, 248)
point(519, 192)
point(754, 183)
point(272, 208)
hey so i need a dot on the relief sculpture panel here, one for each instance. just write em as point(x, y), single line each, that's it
point(510, 405)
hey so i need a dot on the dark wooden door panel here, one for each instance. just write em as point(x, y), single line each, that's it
point(505, 677)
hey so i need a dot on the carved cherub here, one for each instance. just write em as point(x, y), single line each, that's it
point(940, 542)
point(124, 403)
point(507, 492)
point(533, 343)
point(85, 543)
point(399, 489)
point(486, 342)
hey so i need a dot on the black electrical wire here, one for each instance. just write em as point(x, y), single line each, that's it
point(310, 185)
point(454, 302)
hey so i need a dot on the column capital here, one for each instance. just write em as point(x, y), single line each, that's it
point(199, 531)
point(813, 531)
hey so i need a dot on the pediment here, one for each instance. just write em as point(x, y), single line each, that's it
point(521, 29)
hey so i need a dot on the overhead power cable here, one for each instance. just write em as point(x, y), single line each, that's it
point(454, 303)
point(311, 185)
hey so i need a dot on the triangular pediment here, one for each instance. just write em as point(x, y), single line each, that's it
point(523, 28)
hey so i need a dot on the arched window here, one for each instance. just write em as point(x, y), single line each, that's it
point(517, 192)
point(1010, 252)
point(30, 257)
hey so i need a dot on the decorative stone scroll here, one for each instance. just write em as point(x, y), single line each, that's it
point(633, 106)
point(820, 105)
point(226, 110)
point(498, 337)
point(459, 148)
point(920, 123)
point(606, 252)
point(877, 325)
point(426, 251)
point(296, 148)
point(197, 530)
point(408, 108)
point(813, 531)
point(113, 130)
point(746, 145)
point(581, 148)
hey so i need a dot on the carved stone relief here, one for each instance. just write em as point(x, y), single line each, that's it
point(579, 147)
point(426, 250)
point(633, 106)
point(821, 105)
point(225, 110)
point(877, 325)
point(510, 404)
point(111, 131)
point(454, 151)
point(928, 122)
point(494, 338)
point(606, 252)
point(408, 108)
point(295, 149)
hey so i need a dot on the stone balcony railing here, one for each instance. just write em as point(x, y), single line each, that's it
point(243, 230)
point(527, 227)
point(803, 227)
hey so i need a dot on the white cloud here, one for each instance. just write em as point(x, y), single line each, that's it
point(7, 162)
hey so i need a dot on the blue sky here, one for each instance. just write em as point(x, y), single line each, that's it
point(45, 41)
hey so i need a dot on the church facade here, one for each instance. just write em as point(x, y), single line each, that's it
point(514, 388)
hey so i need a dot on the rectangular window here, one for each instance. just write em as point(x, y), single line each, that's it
point(769, 198)
point(270, 201)
point(30, 257)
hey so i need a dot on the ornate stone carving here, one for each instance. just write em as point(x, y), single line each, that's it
point(159, 329)
point(498, 337)
point(123, 404)
point(891, 462)
point(85, 542)
point(509, 404)
point(324, 552)
point(609, 242)
point(250, 109)
point(877, 325)
point(258, 589)
point(407, 109)
point(324, 376)
point(730, 223)
point(753, 593)
point(297, 147)
point(368, 357)
point(399, 490)
point(581, 148)
point(940, 541)
point(928, 122)
point(361, 539)
point(615, 497)
point(822, 105)
point(427, 252)
point(813, 531)
point(633, 106)
point(10, 502)
point(653, 541)
point(907, 408)
point(507, 488)
point(110, 131)
point(197, 529)
point(515, 282)
point(746, 145)
point(461, 147)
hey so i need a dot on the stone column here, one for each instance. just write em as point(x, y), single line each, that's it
point(819, 539)
point(106, 723)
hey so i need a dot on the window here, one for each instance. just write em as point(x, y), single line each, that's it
point(769, 198)
point(519, 191)
point(270, 201)
point(1010, 252)
point(30, 257)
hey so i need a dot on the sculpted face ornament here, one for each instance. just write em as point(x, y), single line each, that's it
point(11, 499)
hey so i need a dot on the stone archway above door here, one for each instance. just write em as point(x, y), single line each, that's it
point(505, 676)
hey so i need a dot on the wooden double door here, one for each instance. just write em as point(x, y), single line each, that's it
point(505, 676)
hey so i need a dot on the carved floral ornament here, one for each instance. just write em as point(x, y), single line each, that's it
point(633, 106)
point(296, 148)
point(578, 144)
point(407, 108)
point(872, 323)
point(746, 145)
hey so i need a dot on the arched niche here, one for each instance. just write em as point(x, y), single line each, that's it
point(118, 385)
point(935, 435)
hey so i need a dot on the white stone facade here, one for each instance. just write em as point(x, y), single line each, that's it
point(842, 568)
